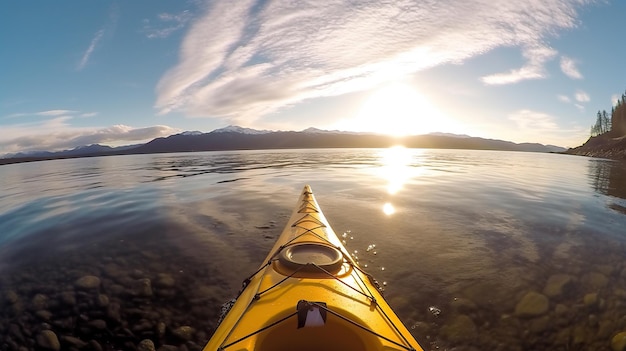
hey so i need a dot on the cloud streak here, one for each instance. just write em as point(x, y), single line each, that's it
point(246, 59)
point(90, 49)
point(109, 28)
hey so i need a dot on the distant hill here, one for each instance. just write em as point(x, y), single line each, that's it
point(238, 138)
point(315, 138)
point(77, 151)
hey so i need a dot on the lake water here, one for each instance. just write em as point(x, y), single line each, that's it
point(479, 250)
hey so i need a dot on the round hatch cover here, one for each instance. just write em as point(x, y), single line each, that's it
point(300, 256)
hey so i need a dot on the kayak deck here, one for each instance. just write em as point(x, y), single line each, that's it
point(310, 294)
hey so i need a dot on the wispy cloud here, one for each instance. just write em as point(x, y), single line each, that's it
point(90, 49)
point(54, 113)
point(564, 98)
point(582, 96)
point(48, 113)
point(533, 120)
point(245, 59)
point(579, 98)
point(568, 66)
point(109, 27)
point(166, 24)
point(534, 68)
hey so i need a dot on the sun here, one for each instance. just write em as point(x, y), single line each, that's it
point(397, 109)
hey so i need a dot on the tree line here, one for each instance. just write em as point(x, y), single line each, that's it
point(614, 123)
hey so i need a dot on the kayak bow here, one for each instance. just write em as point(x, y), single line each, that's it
point(309, 294)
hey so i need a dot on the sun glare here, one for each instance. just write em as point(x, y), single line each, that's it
point(397, 110)
point(388, 209)
point(396, 167)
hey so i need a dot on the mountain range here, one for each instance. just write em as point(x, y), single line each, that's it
point(239, 138)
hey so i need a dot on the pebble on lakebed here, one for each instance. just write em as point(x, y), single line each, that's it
point(618, 343)
point(48, 340)
point(533, 304)
point(88, 282)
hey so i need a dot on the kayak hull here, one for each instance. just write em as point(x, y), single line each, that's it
point(310, 294)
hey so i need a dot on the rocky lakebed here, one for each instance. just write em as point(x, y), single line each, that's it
point(140, 296)
point(133, 300)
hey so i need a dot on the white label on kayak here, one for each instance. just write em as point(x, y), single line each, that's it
point(314, 318)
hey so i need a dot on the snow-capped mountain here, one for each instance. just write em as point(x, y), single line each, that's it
point(241, 130)
point(314, 130)
point(194, 132)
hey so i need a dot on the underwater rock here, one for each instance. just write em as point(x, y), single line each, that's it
point(142, 326)
point(40, 302)
point(594, 280)
point(556, 284)
point(87, 282)
point(142, 287)
point(165, 280)
point(47, 339)
point(73, 341)
point(114, 271)
point(591, 300)
point(462, 329)
point(184, 333)
point(539, 325)
point(116, 290)
point(11, 297)
point(98, 324)
point(161, 327)
point(146, 345)
point(68, 298)
point(94, 345)
point(16, 332)
point(137, 274)
point(533, 304)
point(103, 300)
point(44, 315)
point(605, 328)
point(114, 312)
point(560, 309)
point(618, 342)
point(580, 335)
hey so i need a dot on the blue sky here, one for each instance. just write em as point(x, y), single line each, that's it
point(74, 72)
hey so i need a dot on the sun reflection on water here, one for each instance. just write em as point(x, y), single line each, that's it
point(397, 167)
point(388, 209)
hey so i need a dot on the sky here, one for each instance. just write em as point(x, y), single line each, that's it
point(116, 73)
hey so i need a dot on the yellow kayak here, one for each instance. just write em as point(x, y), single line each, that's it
point(309, 294)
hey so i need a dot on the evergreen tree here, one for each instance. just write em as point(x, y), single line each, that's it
point(614, 123)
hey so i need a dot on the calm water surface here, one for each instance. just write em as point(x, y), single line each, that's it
point(478, 249)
